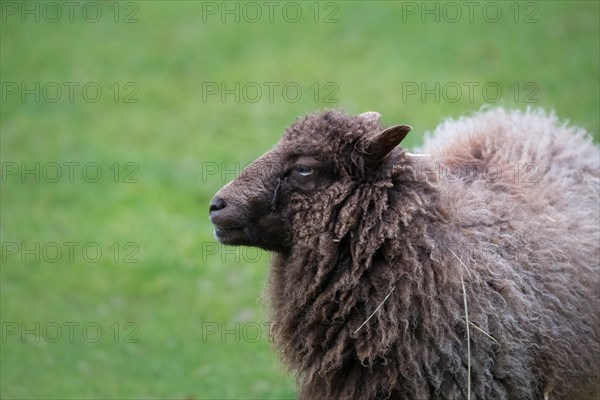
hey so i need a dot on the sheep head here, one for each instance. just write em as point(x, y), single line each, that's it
point(319, 162)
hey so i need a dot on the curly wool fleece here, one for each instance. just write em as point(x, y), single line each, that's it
point(383, 256)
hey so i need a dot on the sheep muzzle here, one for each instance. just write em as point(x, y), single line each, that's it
point(243, 213)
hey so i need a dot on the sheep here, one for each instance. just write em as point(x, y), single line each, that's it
point(469, 271)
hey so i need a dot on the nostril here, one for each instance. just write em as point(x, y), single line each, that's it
point(217, 204)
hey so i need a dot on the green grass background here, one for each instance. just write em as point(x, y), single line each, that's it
point(177, 135)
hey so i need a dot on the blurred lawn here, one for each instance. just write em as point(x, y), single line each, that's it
point(195, 309)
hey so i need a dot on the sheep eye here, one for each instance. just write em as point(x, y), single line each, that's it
point(304, 170)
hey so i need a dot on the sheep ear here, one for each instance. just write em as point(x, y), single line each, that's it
point(384, 142)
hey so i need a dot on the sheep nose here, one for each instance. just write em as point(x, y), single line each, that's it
point(217, 204)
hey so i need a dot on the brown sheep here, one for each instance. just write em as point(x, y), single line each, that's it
point(468, 272)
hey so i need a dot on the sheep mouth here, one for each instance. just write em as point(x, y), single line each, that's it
point(231, 236)
point(228, 230)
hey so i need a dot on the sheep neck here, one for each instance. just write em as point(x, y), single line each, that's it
point(319, 288)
